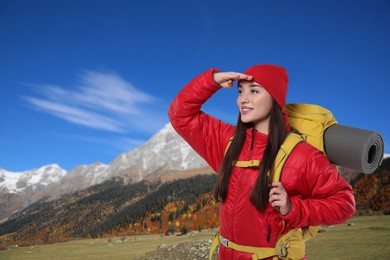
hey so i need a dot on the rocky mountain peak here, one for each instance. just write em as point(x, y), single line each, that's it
point(165, 151)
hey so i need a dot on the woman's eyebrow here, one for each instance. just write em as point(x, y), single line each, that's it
point(251, 85)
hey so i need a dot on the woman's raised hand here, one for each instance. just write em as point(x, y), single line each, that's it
point(226, 79)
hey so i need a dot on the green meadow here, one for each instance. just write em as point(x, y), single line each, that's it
point(364, 237)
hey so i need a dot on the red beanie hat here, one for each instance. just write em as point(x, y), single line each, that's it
point(272, 78)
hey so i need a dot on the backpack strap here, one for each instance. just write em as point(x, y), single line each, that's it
point(229, 143)
point(288, 145)
point(257, 252)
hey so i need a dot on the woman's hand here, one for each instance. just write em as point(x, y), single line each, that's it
point(226, 79)
point(278, 198)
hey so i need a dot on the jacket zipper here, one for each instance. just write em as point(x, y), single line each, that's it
point(269, 233)
point(239, 185)
point(268, 239)
point(235, 203)
point(253, 138)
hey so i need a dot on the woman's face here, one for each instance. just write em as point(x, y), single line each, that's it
point(255, 104)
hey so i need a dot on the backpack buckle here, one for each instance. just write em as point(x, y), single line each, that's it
point(283, 252)
point(224, 241)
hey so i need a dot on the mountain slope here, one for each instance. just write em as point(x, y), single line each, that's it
point(103, 209)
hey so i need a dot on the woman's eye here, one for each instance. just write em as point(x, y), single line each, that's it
point(239, 91)
point(253, 91)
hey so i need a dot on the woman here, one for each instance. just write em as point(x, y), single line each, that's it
point(254, 211)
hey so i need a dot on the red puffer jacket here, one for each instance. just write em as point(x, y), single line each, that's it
point(319, 195)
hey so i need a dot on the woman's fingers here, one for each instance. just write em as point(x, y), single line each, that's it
point(226, 79)
point(278, 198)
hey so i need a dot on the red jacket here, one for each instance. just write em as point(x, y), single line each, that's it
point(319, 195)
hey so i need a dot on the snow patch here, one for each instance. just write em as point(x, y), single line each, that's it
point(44, 175)
point(9, 180)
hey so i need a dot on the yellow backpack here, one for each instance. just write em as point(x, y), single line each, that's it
point(310, 121)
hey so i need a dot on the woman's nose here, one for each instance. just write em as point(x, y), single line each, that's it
point(243, 98)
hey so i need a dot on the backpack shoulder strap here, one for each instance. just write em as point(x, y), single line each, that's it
point(229, 143)
point(288, 145)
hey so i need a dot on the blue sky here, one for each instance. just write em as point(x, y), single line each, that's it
point(83, 81)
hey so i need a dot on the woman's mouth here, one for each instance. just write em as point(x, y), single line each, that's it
point(246, 110)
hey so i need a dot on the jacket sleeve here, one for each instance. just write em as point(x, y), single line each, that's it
point(207, 135)
point(322, 197)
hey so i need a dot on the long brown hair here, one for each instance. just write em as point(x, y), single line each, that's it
point(276, 135)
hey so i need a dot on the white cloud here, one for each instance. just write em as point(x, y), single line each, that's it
point(109, 91)
point(77, 115)
point(102, 100)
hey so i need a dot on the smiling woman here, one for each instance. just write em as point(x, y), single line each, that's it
point(255, 209)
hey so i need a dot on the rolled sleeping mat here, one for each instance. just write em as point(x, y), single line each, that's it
point(354, 148)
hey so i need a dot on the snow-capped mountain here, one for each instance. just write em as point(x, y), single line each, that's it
point(82, 177)
point(165, 151)
point(19, 189)
point(32, 180)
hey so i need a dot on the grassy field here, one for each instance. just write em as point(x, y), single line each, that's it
point(100, 248)
point(364, 238)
